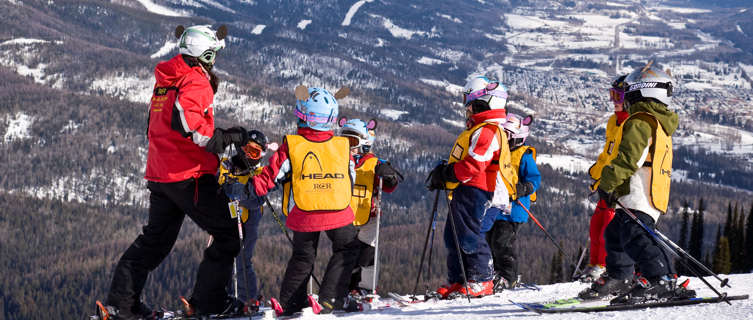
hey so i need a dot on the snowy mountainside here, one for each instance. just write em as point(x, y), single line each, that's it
point(405, 64)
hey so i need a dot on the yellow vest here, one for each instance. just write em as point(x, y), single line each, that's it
point(460, 150)
point(614, 136)
point(320, 179)
point(363, 191)
point(517, 155)
point(660, 155)
point(242, 179)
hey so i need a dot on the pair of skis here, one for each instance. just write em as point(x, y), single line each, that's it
point(577, 305)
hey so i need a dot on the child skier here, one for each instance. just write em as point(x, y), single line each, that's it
point(477, 158)
point(639, 179)
point(501, 224)
point(321, 179)
point(603, 214)
point(234, 172)
point(369, 170)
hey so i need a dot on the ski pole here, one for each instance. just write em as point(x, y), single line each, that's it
point(431, 248)
point(543, 229)
point(667, 247)
point(580, 260)
point(426, 242)
point(724, 282)
point(239, 213)
point(457, 246)
point(376, 244)
point(285, 231)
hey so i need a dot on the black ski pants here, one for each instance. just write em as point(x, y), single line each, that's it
point(334, 285)
point(169, 203)
point(501, 239)
point(629, 245)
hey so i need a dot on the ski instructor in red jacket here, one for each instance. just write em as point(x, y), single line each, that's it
point(180, 169)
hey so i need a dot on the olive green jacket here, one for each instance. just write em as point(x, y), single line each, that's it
point(636, 137)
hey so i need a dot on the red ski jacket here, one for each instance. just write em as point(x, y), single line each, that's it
point(479, 168)
point(181, 122)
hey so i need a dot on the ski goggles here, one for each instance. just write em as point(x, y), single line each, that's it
point(490, 89)
point(616, 95)
point(253, 151)
point(353, 141)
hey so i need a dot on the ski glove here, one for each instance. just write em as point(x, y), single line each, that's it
point(524, 189)
point(221, 138)
point(391, 176)
point(609, 197)
point(441, 174)
point(252, 200)
point(235, 190)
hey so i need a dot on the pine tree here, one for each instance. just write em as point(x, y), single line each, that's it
point(728, 223)
point(555, 273)
point(696, 232)
point(683, 236)
point(749, 242)
point(722, 262)
point(738, 256)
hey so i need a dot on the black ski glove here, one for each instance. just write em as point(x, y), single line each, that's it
point(609, 197)
point(221, 138)
point(441, 174)
point(390, 176)
point(524, 189)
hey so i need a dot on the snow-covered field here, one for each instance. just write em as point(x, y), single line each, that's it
point(499, 306)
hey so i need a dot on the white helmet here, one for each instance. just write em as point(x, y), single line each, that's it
point(649, 82)
point(201, 42)
point(360, 134)
point(490, 91)
point(517, 128)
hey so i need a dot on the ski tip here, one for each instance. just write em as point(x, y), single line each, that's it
point(102, 311)
point(188, 309)
point(276, 306)
point(315, 306)
point(525, 306)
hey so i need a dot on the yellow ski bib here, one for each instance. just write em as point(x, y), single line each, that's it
point(224, 174)
point(363, 191)
point(320, 179)
point(516, 156)
point(460, 151)
point(660, 155)
point(614, 136)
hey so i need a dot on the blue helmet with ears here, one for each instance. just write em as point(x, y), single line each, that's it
point(361, 134)
point(317, 108)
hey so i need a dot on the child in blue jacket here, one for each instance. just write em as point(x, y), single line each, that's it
point(501, 224)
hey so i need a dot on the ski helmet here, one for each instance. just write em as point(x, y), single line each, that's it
point(649, 81)
point(201, 42)
point(360, 134)
point(316, 107)
point(517, 128)
point(491, 93)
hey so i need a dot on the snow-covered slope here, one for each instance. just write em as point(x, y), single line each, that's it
point(498, 306)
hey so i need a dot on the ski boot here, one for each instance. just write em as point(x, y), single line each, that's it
point(138, 312)
point(657, 289)
point(445, 290)
point(477, 289)
point(605, 287)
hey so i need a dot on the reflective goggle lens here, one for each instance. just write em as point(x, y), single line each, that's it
point(617, 96)
point(252, 150)
point(353, 141)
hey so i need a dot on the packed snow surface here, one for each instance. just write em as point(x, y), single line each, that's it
point(498, 306)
